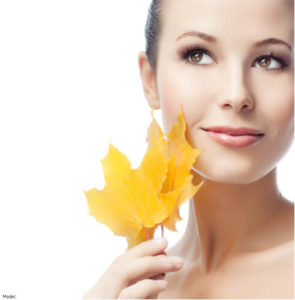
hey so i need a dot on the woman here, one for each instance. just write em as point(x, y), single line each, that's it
point(230, 64)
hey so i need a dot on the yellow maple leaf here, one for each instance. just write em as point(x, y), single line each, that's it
point(129, 201)
point(178, 179)
point(134, 202)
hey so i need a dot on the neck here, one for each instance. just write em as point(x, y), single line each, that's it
point(226, 219)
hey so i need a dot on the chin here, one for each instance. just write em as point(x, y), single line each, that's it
point(229, 172)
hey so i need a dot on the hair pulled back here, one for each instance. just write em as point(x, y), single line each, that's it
point(152, 31)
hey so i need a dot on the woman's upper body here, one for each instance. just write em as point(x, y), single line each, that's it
point(228, 64)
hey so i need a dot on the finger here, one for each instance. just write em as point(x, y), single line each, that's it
point(160, 276)
point(149, 266)
point(150, 247)
point(143, 289)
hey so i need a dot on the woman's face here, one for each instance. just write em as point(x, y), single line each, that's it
point(227, 84)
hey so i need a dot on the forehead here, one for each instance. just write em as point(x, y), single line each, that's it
point(230, 18)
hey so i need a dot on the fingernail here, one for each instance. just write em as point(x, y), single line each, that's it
point(162, 283)
point(176, 260)
point(160, 241)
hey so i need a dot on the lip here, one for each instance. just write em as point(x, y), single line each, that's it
point(233, 131)
point(234, 137)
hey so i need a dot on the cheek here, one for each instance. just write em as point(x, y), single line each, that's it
point(277, 111)
point(179, 88)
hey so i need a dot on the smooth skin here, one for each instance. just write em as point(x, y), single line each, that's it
point(239, 241)
point(137, 274)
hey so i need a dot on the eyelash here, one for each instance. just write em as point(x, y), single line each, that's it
point(187, 52)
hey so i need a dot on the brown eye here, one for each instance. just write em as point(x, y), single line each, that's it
point(271, 62)
point(196, 57)
point(264, 62)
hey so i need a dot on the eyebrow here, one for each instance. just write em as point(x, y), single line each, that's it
point(212, 39)
point(273, 41)
point(202, 35)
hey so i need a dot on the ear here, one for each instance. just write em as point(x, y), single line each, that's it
point(148, 79)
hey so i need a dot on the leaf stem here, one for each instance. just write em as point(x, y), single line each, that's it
point(162, 230)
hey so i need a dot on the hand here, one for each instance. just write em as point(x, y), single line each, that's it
point(136, 273)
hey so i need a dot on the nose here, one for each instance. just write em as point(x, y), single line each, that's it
point(236, 94)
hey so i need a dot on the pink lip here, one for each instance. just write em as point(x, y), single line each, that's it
point(233, 131)
point(234, 137)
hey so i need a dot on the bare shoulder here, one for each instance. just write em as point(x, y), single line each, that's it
point(284, 254)
point(267, 273)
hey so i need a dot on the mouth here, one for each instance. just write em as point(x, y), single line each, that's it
point(234, 137)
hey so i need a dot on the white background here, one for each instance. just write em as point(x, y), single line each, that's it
point(69, 84)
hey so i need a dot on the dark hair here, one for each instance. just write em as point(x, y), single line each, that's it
point(152, 31)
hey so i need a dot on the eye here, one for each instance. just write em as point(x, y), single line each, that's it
point(265, 62)
point(197, 55)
